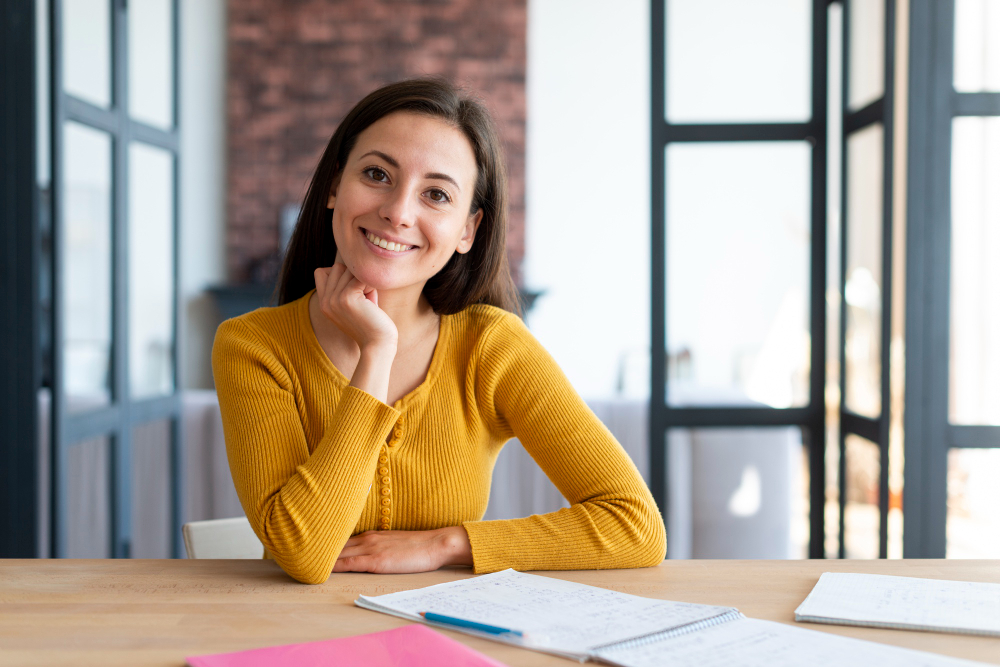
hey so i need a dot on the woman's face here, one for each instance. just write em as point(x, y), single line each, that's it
point(401, 202)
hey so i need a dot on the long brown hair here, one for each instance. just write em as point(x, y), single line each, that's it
point(481, 275)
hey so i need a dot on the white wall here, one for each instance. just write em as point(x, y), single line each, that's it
point(587, 217)
point(202, 182)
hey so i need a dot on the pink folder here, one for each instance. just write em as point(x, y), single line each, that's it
point(408, 646)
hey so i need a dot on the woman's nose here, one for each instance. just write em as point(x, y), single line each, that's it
point(399, 208)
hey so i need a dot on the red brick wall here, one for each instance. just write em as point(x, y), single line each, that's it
point(296, 67)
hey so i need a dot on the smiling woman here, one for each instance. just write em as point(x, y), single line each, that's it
point(364, 414)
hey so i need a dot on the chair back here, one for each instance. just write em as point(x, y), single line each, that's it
point(221, 538)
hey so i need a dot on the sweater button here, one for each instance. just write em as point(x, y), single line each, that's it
point(385, 491)
point(385, 525)
point(383, 471)
point(386, 502)
point(385, 511)
point(383, 459)
point(386, 480)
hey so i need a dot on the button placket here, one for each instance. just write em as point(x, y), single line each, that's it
point(385, 503)
point(397, 433)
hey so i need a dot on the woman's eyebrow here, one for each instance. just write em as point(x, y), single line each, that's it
point(444, 177)
point(434, 174)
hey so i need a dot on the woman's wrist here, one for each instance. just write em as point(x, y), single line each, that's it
point(454, 546)
point(373, 369)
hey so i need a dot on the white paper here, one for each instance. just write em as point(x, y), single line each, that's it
point(931, 604)
point(753, 643)
point(555, 615)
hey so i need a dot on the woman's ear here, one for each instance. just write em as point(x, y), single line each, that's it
point(469, 232)
point(332, 197)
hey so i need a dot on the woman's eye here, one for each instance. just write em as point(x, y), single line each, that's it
point(439, 196)
point(376, 174)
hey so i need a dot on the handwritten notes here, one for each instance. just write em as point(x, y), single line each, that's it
point(753, 643)
point(903, 602)
point(556, 615)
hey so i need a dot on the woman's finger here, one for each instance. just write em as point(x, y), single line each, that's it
point(320, 275)
point(344, 278)
point(354, 564)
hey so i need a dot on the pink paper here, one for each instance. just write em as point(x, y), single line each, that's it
point(408, 646)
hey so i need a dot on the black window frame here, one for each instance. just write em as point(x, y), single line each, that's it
point(933, 103)
point(117, 420)
point(20, 259)
point(876, 430)
point(811, 418)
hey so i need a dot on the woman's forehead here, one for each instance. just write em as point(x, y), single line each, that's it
point(419, 141)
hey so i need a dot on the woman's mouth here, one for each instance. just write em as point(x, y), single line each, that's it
point(385, 245)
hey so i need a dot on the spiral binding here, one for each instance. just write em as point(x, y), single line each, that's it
point(659, 635)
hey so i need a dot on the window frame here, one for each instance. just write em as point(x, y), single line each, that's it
point(118, 419)
point(875, 430)
point(933, 103)
point(811, 417)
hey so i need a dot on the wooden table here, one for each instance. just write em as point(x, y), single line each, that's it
point(156, 612)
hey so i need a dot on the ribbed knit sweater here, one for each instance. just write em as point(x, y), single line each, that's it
point(315, 461)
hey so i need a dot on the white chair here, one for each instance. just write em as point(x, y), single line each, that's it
point(221, 538)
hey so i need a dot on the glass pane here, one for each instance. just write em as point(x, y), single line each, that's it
point(88, 499)
point(86, 50)
point(977, 49)
point(861, 517)
point(737, 61)
point(867, 52)
point(151, 270)
point(974, 390)
point(738, 493)
point(150, 64)
point(86, 271)
point(603, 360)
point(863, 288)
point(151, 490)
point(973, 498)
point(738, 240)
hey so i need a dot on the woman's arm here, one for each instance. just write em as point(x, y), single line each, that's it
point(613, 521)
point(302, 506)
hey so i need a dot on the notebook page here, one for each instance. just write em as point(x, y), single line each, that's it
point(903, 602)
point(556, 615)
point(754, 643)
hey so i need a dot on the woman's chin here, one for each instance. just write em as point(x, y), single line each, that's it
point(382, 280)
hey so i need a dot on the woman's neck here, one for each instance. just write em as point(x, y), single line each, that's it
point(409, 310)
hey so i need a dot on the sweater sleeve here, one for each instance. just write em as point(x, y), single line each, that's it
point(612, 521)
point(303, 506)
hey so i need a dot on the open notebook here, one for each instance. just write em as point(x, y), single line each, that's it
point(587, 623)
point(905, 603)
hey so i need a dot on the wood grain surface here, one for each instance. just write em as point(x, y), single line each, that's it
point(155, 612)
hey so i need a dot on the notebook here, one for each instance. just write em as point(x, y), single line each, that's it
point(408, 646)
point(588, 623)
point(905, 603)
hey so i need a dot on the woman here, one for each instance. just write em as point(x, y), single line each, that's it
point(364, 414)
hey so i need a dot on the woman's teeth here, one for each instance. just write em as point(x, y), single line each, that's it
point(388, 245)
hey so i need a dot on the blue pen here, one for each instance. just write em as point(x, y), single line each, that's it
point(472, 625)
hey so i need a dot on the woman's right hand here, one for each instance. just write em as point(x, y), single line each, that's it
point(353, 307)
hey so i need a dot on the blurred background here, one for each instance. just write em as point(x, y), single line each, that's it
point(756, 235)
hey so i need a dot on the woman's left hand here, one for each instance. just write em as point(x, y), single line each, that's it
point(403, 551)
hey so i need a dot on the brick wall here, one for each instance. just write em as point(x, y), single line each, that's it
point(296, 67)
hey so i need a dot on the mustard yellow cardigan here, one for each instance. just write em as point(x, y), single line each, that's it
point(316, 461)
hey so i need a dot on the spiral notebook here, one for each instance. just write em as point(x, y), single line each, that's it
point(588, 623)
point(903, 603)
